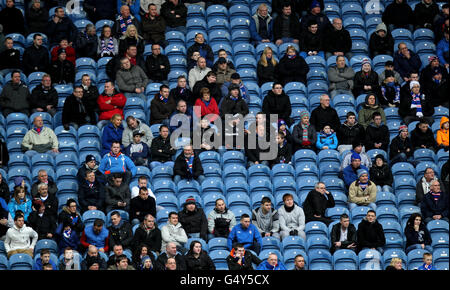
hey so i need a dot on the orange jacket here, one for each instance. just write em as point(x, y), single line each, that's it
point(442, 137)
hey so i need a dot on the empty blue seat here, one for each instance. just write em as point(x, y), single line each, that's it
point(20, 262)
point(195, 11)
point(406, 198)
point(388, 213)
point(66, 173)
point(17, 119)
point(19, 171)
point(345, 260)
point(424, 155)
point(370, 260)
point(425, 47)
point(389, 254)
point(423, 34)
point(67, 187)
point(217, 10)
point(164, 186)
point(422, 166)
point(217, 23)
point(393, 233)
point(16, 132)
point(335, 212)
point(46, 244)
point(385, 198)
point(316, 228)
point(175, 49)
point(239, 10)
point(402, 34)
point(353, 22)
point(293, 242)
point(271, 243)
point(238, 199)
point(167, 200)
point(406, 211)
point(90, 216)
point(219, 258)
point(4, 263)
point(86, 63)
point(217, 244)
point(437, 226)
point(320, 260)
point(18, 159)
point(42, 159)
point(359, 212)
point(440, 259)
point(188, 186)
point(242, 49)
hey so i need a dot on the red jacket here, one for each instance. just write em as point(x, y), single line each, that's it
point(205, 110)
point(70, 52)
point(118, 101)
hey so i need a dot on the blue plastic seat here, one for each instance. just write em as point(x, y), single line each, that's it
point(233, 157)
point(388, 213)
point(18, 159)
point(20, 262)
point(17, 119)
point(332, 10)
point(359, 212)
point(283, 47)
point(188, 186)
point(217, 23)
point(260, 48)
point(423, 34)
point(242, 49)
point(406, 211)
point(4, 263)
point(217, 10)
point(217, 244)
point(209, 157)
point(440, 257)
point(100, 23)
point(403, 183)
point(18, 39)
point(343, 100)
point(81, 24)
point(63, 91)
point(123, 214)
point(335, 213)
point(424, 155)
point(238, 199)
point(345, 260)
point(195, 11)
point(14, 146)
point(89, 145)
point(422, 166)
point(358, 34)
point(66, 173)
point(42, 159)
point(86, 63)
point(305, 155)
point(46, 244)
point(320, 260)
point(316, 228)
point(328, 168)
point(415, 258)
point(196, 23)
point(175, 50)
point(16, 132)
point(293, 243)
point(385, 198)
point(271, 243)
point(35, 78)
point(402, 34)
point(437, 226)
point(403, 168)
point(406, 198)
point(219, 257)
point(212, 170)
point(317, 87)
point(258, 171)
point(19, 171)
point(164, 186)
point(67, 187)
point(422, 47)
point(370, 260)
point(353, 22)
point(393, 233)
point(239, 10)
point(90, 216)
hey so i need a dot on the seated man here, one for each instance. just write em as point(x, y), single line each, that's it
point(90, 164)
point(350, 172)
point(299, 263)
point(340, 77)
point(424, 184)
point(271, 263)
point(181, 119)
point(153, 25)
point(42, 177)
point(401, 149)
point(50, 201)
point(75, 113)
point(188, 166)
point(62, 71)
point(44, 97)
point(162, 150)
point(93, 260)
point(370, 234)
point(223, 71)
point(193, 220)
point(131, 79)
point(86, 42)
point(110, 102)
point(338, 41)
point(123, 20)
point(138, 151)
point(265, 219)
point(120, 232)
point(221, 220)
point(292, 218)
point(15, 96)
point(141, 206)
point(157, 65)
point(349, 133)
point(182, 92)
point(198, 72)
point(96, 235)
point(44, 259)
point(134, 124)
point(377, 134)
point(9, 58)
point(406, 61)
point(173, 232)
point(175, 14)
point(240, 259)
point(205, 50)
point(142, 182)
point(246, 234)
point(343, 235)
point(316, 203)
point(312, 41)
point(223, 53)
point(121, 264)
point(286, 26)
point(259, 150)
point(162, 106)
point(91, 192)
point(422, 137)
point(236, 79)
point(40, 139)
point(261, 25)
point(20, 238)
point(90, 96)
point(117, 194)
point(381, 41)
point(434, 205)
point(117, 251)
point(148, 234)
point(35, 58)
point(117, 162)
point(170, 252)
point(362, 192)
point(358, 149)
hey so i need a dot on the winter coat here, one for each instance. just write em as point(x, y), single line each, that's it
point(266, 74)
point(349, 135)
point(311, 41)
point(42, 225)
point(86, 46)
point(381, 175)
point(418, 138)
point(74, 111)
point(316, 204)
point(292, 70)
point(277, 104)
point(337, 40)
point(70, 52)
point(357, 195)
point(405, 105)
point(73, 218)
point(361, 80)
point(294, 27)
point(366, 112)
point(110, 134)
point(397, 77)
point(405, 66)
point(340, 78)
point(15, 97)
point(171, 19)
point(349, 173)
point(122, 235)
point(12, 20)
point(73, 240)
point(414, 237)
point(335, 236)
point(429, 207)
point(118, 101)
point(347, 160)
point(36, 59)
point(180, 260)
point(81, 174)
point(37, 19)
point(330, 141)
point(381, 45)
point(399, 14)
point(244, 236)
point(442, 138)
point(223, 76)
point(161, 110)
point(159, 143)
point(203, 262)
point(51, 205)
point(104, 9)
point(284, 154)
point(63, 29)
point(255, 24)
point(174, 234)
point(247, 262)
point(154, 71)
point(320, 117)
point(23, 238)
point(116, 30)
point(297, 135)
point(116, 164)
point(424, 14)
point(370, 235)
point(41, 142)
point(125, 42)
point(221, 223)
point(442, 51)
point(115, 194)
point(322, 20)
point(204, 50)
point(144, 153)
point(266, 266)
point(94, 196)
point(151, 238)
point(41, 97)
point(62, 72)
point(185, 94)
point(10, 59)
point(127, 135)
point(211, 108)
point(398, 145)
point(180, 168)
point(214, 89)
point(437, 91)
point(376, 134)
point(143, 207)
point(293, 220)
point(129, 80)
point(423, 187)
point(153, 30)
point(197, 74)
point(232, 107)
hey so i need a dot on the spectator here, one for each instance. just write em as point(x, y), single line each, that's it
point(389, 66)
point(37, 17)
point(142, 182)
point(153, 26)
point(312, 41)
point(428, 262)
point(116, 162)
point(59, 27)
point(91, 192)
point(285, 26)
point(107, 44)
point(316, 203)
point(42, 177)
point(188, 166)
point(291, 218)
point(40, 139)
point(44, 97)
point(370, 234)
point(246, 234)
point(69, 215)
point(257, 148)
point(15, 96)
point(338, 41)
point(205, 136)
point(19, 202)
point(370, 106)
point(148, 234)
point(198, 259)
point(162, 107)
point(395, 265)
point(304, 134)
point(112, 132)
point(170, 258)
point(41, 221)
point(261, 25)
point(69, 261)
point(299, 263)
point(117, 195)
point(5, 193)
point(181, 119)
point(132, 4)
point(277, 102)
point(93, 261)
point(97, 235)
point(315, 13)
point(284, 154)
point(406, 61)
point(343, 235)
point(422, 137)
point(43, 260)
point(20, 238)
point(120, 232)
point(86, 43)
point(398, 14)
point(266, 219)
point(221, 220)
point(116, 252)
point(175, 14)
point(340, 77)
point(12, 19)
point(173, 234)
point(198, 72)
point(292, 67)
point(62, 71)
point(326, 139)
point(90, 164)
point(74, 112)
point(110, 103)
point(70, 51)
point(192, 61)
point(415, 106)
point(9, 58)
point(240, 259)
point(434, 205)
point(233, 103)
point(442, 50)
point(204, 49)
point(350, 132)
point(123, 20)
point(162, 150)
point(209, 81)
point(434, 78)
point(442, 138)
point(362, 192)
point(157, 65)
point(358, 149)
point(90, 96)
point(131, 79)
point(66, 237)
point(417, 234)
point(424, 14)
point(223, 72)
point(401, 149)
point(131, 37)
point(233, 135)
point(100, 9)
point(271, 263)
point(138, 151)
point(50, 201)
point(390, 91)
point(235, 79)
point(349, 171)
point(266, 67)
point(441, 21)
point(134, 124)
point(366, 80)
point(145, 5)
point(381, 174)
point(277, 7)
point(381, 41)
point(121, 264)
point(182, 92)
point(377, 134)
point(325, 114)
point(141, 206)
point(35, 58)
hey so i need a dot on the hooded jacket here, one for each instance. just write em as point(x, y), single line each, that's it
point(316, 204)
point(266, 223)
point(277, 104)
point(161, 110)
point(292, 70)
point(381, 175)
point(370, 235)
point(376, 134)
point(331, 141)
point(381, 45)
point(202, 263)
point(255, 27)
point(151, 238)
point(221, 223)
point(110, 134)
point(246, 264)
point(41, 142)
point(418, 138)
point(366, 112)
point(174, 234)
point(115, 194)
point(244, 236)
point(194, 221)
point(442, 137)
point(91, 196)
point(357, 195)
point(116, 164)
point(15, 97)
point(130, 79)
point(23, 238)
point(399, 14)
point(266, 266)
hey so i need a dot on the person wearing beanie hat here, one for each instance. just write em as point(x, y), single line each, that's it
point(381, 41)
point(390, 90)
point(349, 172)
point(91, 164)
point(389, 66)
point(406, 61)
point(223, 71)
point(366, 80)
point(146, 263)
point(193, 219)
point(304, 134)
point(314, 11)
point(233, 103)
point(401, 149)
point(358, 148)
point(362, 192)
point(415, 105)
point(236, 80)
point(381, 174)
point(62, 71)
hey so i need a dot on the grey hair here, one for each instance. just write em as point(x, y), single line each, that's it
point(323, 96)
point(318, 183)
point(40, 185)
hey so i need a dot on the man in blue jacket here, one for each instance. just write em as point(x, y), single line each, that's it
point(44, 259)
point(271, 263)
point(117, 162)
point(350, 172)
point(245, 233)
point(261, 25)
point(406, 61)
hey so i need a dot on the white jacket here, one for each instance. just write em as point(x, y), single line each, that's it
point(197, 74)
point(294, 220)
point(20, 238)
point(46, 139)
point(171, 233)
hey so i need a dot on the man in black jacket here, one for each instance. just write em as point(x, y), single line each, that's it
point(424, 14)
point(12, 19)
point(15, 96)
point(50, 201)
point(325, 114)
point(234, 103)
point(175, 14)
point(74, 112)
point(37, 17)
point(62, 70)
point(148, 234)
point(90, 96)
point(370, 234)
point(42, 177)
point(424, 184)
point(141, 206)
point(398, 14)
point(60, 26)
point(422, 137)
point(44, 98)
point(87, 42)
point(90, 164)
point(188, 166)
point(124, 17)
point(350, 132)
point(91, 193)
point(286, 26)
point(171, 252)
point(435, 203)
point(240, 259)
point(157, 66)
point(114, 64)
point(9, 58)
point(120, 232)
point(182, 92)
point(162, 150)
point(316, 203)
point(377, 134)
point(277, 102)
point(338, 40)
point(344, 227)
point(315, 13)
point(401, 149)
point(35, 58)
point(193, 220)
point(100, 9)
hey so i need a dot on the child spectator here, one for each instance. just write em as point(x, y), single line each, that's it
point(390, 90)
point(442, 137)
point(284, 150)
point(427, 262)
point(138, 151)
point(326, 139)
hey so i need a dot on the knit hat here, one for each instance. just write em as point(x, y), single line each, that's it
point(356, 156)
point(235, 76)
point(90, 158)
point(432, 58)
point(144, 259)
point(388, 73)
point(361, 172)
point(190, 200)
point(402, 127)
point(137, 132)
point(222, 60)
point(281, 122)
point(304, 113)
point(365, 60)
point(61, 50)
point(389, 63)
point(413, 83)
point(315, 4)
point(381, 26)
point(18, 181)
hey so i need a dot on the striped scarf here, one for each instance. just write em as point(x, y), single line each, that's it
point(416, 101)
point(107, 47)
point(189, 162)
point(363, 185)
point(165, 100)
point(397, 93)
point(124, 23)
point(305, 132)
point(436, 195)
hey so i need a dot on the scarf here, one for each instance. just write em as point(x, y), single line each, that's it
point(189, 162)
point(124, 23)
point(394, 87)
point(305, 132)
point(38, 130)
point(243, 92)
point(234, 98)
point(436, 195)
point(107, 47)
point(289, 209)
point(291, 56)
point(325, 135)
point(416, 101)
point(165, 100)
point(67, 233)
point(363, 185)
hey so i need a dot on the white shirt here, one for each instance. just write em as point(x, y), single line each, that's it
point(343, 235)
